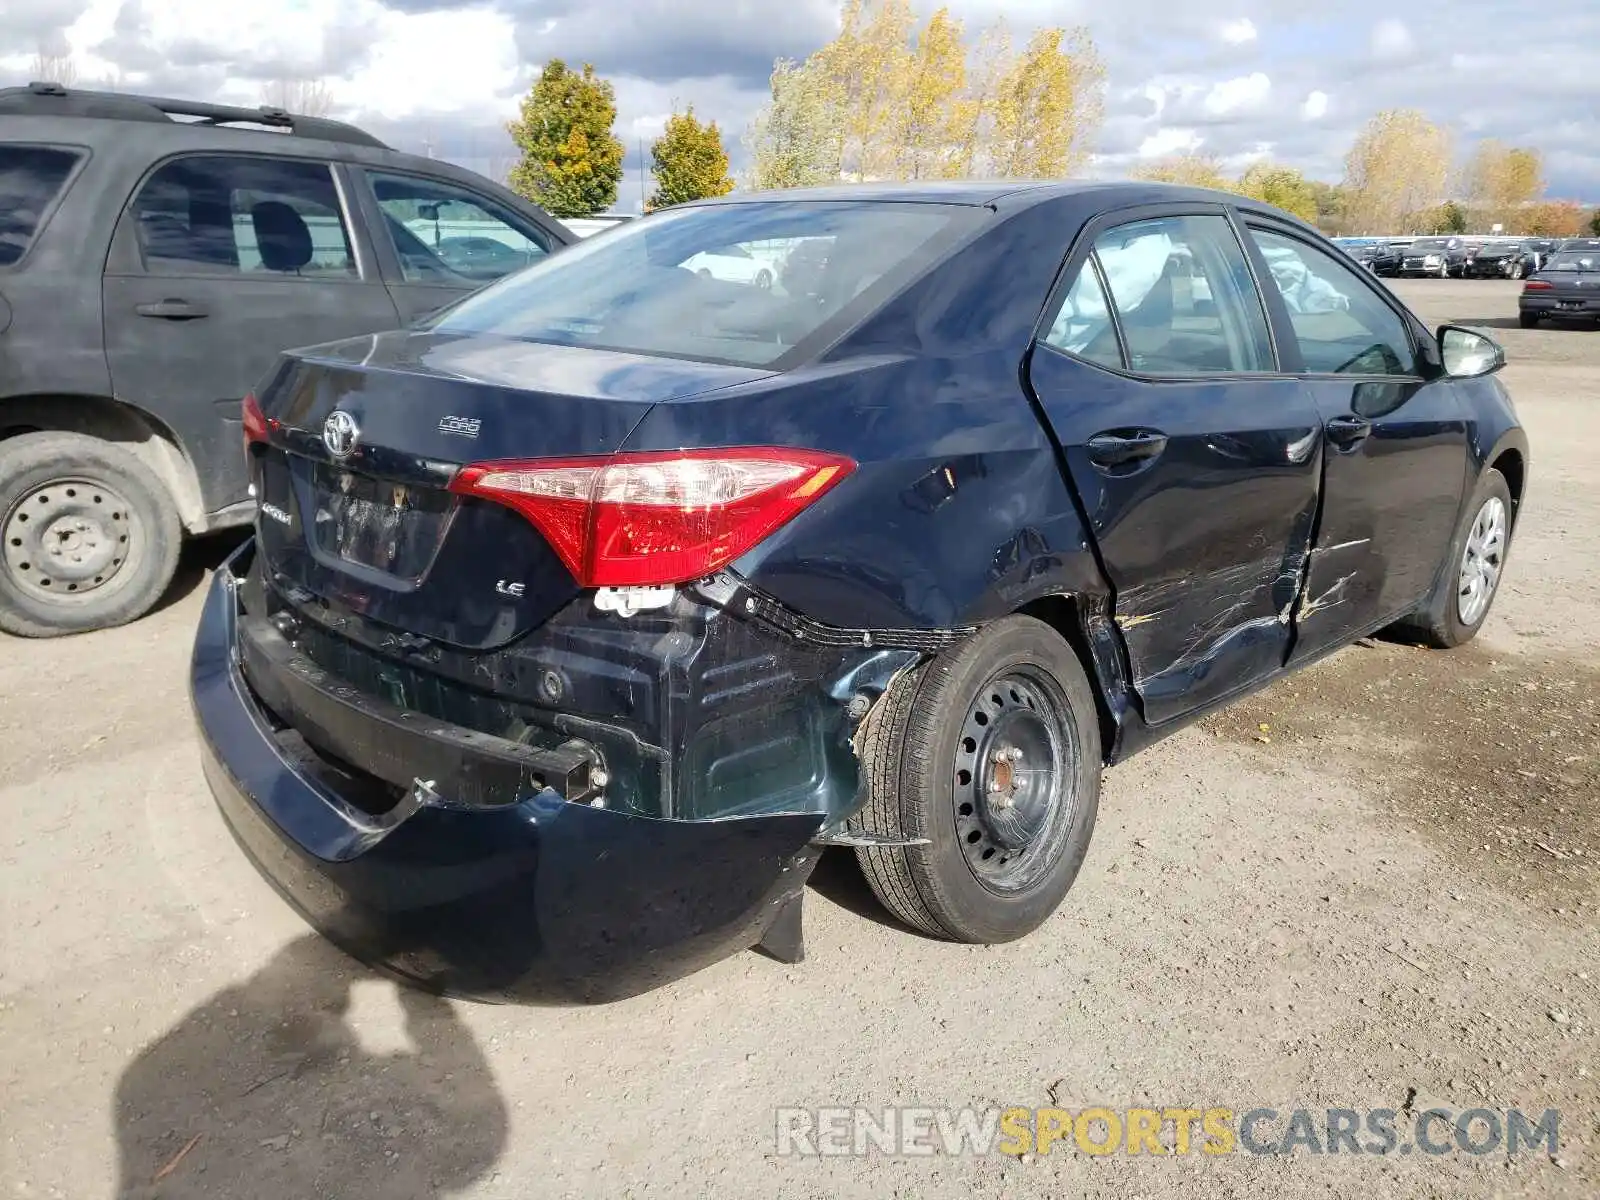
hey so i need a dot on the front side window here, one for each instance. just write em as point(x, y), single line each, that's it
point(1342, 326)
point(735, 283)
point(445, 234)
point(30, 179)
point(266, 217)
point(1183, 295)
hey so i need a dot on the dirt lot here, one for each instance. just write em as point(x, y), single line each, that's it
point(1372, 886)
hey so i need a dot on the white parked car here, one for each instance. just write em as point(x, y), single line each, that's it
point(734, 264)
point(589, 226)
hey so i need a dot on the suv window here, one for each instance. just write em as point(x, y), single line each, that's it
point(209, 214)
point(1183, 296)
point(1342, 326)
point(444, 233)
point(30, 178)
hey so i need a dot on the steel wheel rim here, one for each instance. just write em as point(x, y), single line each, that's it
point(1481, 561)
point(1014, 761)
point(68, 538)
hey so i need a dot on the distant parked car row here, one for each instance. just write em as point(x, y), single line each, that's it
point(1455, 256)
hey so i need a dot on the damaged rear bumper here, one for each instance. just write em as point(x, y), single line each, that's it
point(540, 899)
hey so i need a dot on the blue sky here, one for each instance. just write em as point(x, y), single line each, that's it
point(1240, 79)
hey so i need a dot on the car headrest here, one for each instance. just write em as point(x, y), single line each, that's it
point(282, 238)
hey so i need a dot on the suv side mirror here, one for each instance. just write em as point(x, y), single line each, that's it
point(1468, 354)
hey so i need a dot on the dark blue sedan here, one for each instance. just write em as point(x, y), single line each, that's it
point(580, 619)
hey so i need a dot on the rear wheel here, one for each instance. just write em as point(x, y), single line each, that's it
point(89, 537)
point(1469, 579)
point(992, 753)
point(764, 280)
point(1527, 319)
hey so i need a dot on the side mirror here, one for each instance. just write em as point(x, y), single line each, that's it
point(1468, 354)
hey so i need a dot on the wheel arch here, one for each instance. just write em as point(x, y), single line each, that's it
point(134, 429)
point(1085, 625)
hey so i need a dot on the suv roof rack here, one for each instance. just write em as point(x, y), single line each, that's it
point(41, 99)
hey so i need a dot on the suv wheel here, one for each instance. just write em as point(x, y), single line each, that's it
point(89, 537)
point(992, 753)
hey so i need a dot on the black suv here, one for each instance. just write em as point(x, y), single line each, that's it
point(155, 257)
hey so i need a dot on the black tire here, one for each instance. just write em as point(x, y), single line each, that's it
point(912, 745)
point(1527, 319)
point(1437, 622)
point(127, 558)
point(764, 280)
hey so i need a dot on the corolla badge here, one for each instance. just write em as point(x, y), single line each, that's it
point(340, 433)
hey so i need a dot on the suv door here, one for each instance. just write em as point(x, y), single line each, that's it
point(1193, 456)
point(1396, 463)
point(218, 263)
point(439, 240)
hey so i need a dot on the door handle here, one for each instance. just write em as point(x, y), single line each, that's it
point(1345, 432)
point(171, 309)
point(1119, 449)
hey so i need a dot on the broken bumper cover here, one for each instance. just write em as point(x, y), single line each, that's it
point(538, 900)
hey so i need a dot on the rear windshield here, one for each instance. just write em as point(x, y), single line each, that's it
point(30, 178)
point(1585, 261)
point(733, 283)
point(1430, 244)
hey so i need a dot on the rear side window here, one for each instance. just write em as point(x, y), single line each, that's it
point(211, 214)
point(444, 234)
point(30, 179)
point(1184, 299)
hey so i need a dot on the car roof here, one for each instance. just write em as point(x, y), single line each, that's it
point(53, 100)
point(988, 193)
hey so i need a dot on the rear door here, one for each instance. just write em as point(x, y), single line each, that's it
point(439, 240)
point(218, 263)
point(1396, 462)
point(1196, 460)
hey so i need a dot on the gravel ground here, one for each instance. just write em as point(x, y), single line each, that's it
point(1373, 885)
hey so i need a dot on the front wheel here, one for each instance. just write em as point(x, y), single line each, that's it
point(1469, 578)
point(991, 752)
point(89, 537)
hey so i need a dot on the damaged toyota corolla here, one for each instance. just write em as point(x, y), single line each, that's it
point(580, 618)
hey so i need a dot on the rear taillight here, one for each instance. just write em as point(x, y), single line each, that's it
point(1537, 285)
point(253, 420)
point(654, 519)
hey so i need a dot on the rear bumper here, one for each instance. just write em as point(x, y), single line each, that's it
point(1578, 307)
point(540, 900)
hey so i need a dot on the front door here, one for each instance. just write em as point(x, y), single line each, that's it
point(440, 241)
point(218, 263)
point(1396, 462)
point(1196, 461)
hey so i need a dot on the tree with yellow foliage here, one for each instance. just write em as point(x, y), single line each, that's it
point(1191, 170)
point(1502, 182)
point(914, 100)
point(1397, 172)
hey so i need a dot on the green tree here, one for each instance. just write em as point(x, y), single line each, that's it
point(1448, 217)
point(1330, 202)
point(571, 161)
point(1594, 223)
point(1282, 187)
point(796, 138)
point(688, 162)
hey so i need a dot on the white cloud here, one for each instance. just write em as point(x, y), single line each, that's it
point(1391, 39)
point(1315, 107)
point(1163, 142)
point(1231, 95)
point(1237, 33)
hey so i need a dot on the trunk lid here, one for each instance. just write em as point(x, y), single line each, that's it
point(356, 518)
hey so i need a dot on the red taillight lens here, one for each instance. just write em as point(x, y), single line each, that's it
point(1537, 285)
point(253, 420)
point(653, 519)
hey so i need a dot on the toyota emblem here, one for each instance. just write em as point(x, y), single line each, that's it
point(340, 433)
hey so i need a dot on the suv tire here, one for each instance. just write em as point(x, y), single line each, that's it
point(89, 536)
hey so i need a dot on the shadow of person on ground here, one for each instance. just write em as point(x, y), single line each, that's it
point(265, 1091)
